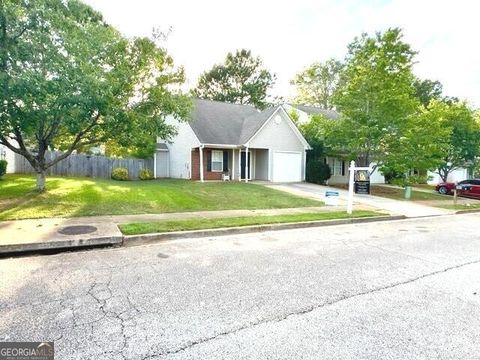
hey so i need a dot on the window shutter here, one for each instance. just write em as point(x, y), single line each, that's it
point(343, 167)
point(225, 161)
point(209, 161)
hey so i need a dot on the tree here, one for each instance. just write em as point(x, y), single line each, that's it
point(463, 141)
point(317, 83)
point(68, 80)
point(240, 80)
point(313, 132)
point(427, 90)
point(376, 97)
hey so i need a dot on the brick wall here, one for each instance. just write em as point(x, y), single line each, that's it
point(207, 175)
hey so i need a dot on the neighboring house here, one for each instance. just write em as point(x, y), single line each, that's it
point(234, 140)
point(338, 167)
point(455, 176)
point(7, 154)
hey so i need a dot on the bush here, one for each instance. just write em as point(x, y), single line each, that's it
point(145, 174)
point(391, 176)
point(120, 174)
point(3, 167)
point(411, 180)
point(317, 171)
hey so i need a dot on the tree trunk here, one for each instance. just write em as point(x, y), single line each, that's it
point(41, 181)
point(443, 172)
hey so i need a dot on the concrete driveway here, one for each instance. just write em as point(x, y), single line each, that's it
point(407, 289)
point(397, 207)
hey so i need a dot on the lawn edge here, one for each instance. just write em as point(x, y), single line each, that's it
point(467, 211)
point(142, 239)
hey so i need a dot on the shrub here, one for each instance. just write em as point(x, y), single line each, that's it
point(3, 167)
point(120, 174)
point(317, 171)
point(391, 176)
point(411, 180)
point(145, 174)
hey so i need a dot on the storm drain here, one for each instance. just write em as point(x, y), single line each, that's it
point(77, 230)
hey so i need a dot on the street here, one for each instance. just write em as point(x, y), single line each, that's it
point(406, 289)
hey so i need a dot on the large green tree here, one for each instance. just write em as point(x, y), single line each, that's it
point(317, 83)
point(427, 90)
point(241, 79)
point(69, 80)
point(462, 144)
point(376, 97)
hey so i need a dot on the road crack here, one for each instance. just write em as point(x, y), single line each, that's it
point(308, 310)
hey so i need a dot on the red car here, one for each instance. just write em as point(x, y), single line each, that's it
point(469, 188)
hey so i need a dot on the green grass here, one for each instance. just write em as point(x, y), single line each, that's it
point(198, 224)
point(473, 206)
point(69, 197)
point(398, 194)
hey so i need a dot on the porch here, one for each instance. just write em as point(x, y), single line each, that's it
point(240, 164)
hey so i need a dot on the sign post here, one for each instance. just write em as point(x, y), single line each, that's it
point(364, 183)
point(350, 187)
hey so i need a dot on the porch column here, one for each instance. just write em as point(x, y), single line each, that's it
point(246, 165)
point(200, 149)
point(233, 164)
point(240, 164)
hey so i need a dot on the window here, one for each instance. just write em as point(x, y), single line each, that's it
point(217, 161)
point(337, 167)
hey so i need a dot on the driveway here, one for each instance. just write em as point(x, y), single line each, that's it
point(397, 290)
point(398, 207)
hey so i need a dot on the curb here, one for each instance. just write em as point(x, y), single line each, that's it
point(467, 211)
point(135, 240)
point(59, 245)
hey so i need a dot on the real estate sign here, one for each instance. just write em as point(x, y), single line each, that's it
point(362, 182)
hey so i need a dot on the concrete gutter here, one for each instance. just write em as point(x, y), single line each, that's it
point(134, 240)
point(26, 236)
point(60, 245)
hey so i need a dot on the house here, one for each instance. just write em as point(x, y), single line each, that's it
point(338, 167)
point(234, 140)
point(7, 154)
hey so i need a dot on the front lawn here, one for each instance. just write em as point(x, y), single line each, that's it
point(69, 197)
point(199, 224)
point(398, 194)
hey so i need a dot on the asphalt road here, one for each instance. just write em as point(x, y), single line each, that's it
point(399, 290)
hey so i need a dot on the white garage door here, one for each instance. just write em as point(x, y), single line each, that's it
point(287, 167)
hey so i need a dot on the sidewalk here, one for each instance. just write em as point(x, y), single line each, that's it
point(57, 233)
point(394, 207)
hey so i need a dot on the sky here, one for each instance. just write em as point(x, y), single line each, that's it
point(290, 35)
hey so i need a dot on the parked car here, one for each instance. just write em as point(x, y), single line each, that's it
point(469, 188)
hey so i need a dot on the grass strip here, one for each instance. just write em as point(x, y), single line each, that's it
point(214, 223)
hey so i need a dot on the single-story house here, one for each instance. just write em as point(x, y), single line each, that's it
point(235, 140)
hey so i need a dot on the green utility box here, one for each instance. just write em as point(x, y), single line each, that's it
point(408, 192)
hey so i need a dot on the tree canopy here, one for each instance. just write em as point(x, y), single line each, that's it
point(317, 83)
point(462, 144)
point(68, 80)
point(377, 96)
point(427, 90)
point(241, 79)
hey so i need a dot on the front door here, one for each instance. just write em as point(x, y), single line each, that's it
point(243, 157)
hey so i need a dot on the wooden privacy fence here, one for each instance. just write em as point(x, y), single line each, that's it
point(86, 165)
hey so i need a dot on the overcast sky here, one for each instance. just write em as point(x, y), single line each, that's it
point(289, 35)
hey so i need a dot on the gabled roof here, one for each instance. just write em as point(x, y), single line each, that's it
point(215, 122)
point(311, 110)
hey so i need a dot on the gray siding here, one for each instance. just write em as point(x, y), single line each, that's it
point(163, 164)
point(180, 147)
point(278, 137)
point(261, 164)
